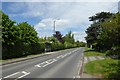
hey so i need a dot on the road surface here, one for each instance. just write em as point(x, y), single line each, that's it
point(61, 64)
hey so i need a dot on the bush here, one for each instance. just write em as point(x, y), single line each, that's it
point(20, 50)
point(37, 48)
point(113, 51)
point(57, 46)
point(107, 68)
point(69, 45)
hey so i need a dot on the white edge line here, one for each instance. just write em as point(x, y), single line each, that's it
point(79, 68)
point(11, 75)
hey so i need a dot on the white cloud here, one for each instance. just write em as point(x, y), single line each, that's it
point(31, 14)
point(62, 23)
point(80, 36)
point(39, 26)
point(72, 15)
point(49, 23)
point(78, 33)
point(59, 1)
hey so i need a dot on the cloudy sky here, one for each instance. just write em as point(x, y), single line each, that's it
point(69, 16)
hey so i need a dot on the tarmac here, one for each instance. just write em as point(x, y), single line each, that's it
point(82, 73)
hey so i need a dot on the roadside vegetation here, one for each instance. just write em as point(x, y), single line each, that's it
point(103, 37)
point(103, 34)
point(21, 39)
point(106, 68)
point(91, 52)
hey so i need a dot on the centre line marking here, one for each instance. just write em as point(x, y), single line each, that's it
point(12, 75)
point(37, 65)
point(25, 74)
point(45, 65)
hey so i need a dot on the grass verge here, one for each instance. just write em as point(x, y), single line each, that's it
point(106, 68)
point(92, 52)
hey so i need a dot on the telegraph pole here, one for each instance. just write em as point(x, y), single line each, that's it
point(54, 26)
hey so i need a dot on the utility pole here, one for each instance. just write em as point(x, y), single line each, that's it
point(54, 25)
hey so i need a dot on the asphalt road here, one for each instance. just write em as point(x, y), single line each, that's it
point(61, 64)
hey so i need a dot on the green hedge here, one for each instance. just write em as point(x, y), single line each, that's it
point(57, 46)
point(21, 50)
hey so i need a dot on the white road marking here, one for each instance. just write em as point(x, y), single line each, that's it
point(45, 65)
point(53, 60)
point(73, 77)
point(25, 74)
point(77, 77)
point(58, 57)
point(79, 68)
point(50, 61)
point(37, 65)
point(62, 56)
point(43, 62)
point(11, 75)
point(46, 62)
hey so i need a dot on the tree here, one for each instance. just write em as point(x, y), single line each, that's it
point(27, 33)
point(58, 36)
point(110, 35)
point(69, 37)
point(95, 29)
point(92, 33)
point(18, 40)
point(69, 40)
point(7, 30)
point(80, 44)
point(100, 17)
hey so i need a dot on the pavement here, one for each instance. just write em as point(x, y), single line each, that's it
point(60, 64)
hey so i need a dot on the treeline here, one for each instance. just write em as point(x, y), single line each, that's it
point(104, 33)
point(21, 39)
